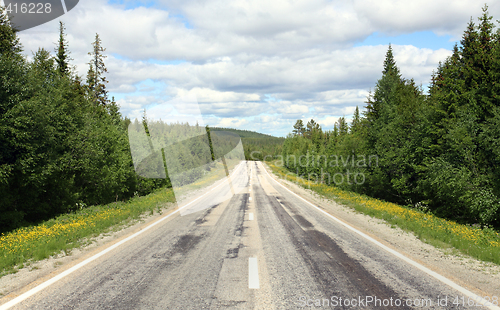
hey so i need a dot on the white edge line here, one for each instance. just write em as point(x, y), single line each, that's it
point(434, 274)
point(53, 280)
point(253, 273)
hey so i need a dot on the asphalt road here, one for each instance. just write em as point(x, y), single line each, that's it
point(262, 248)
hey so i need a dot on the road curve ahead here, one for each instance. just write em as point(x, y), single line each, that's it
point(264, 248)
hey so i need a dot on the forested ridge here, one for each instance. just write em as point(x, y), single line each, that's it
point(438, 152)
point(63, 142)
point(257, 146)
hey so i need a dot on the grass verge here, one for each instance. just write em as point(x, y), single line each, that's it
point(482, 244)
point(69, 231)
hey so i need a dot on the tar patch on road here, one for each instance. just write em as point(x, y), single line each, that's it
point(335, 272)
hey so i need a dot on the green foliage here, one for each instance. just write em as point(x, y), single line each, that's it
point(68, 231)
point(438, 152)
point(257, 146)
point(298, 128)
point(62, 56)
point(58, 150)
point(9, 42)
point(96, 81)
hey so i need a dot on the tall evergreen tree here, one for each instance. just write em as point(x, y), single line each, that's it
point(342, 126)
point(96, 81)
point(9, 41)
point(385, 88)
point(390, 64)
point(356, 120)
point(62, 55)
point(298, 128)
point(310, 128)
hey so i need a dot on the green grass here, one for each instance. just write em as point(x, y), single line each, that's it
point(482, 244)
point(66, 232)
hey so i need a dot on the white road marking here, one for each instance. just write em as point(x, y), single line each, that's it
point(250, 198)
point(433, 274)
point(250, 216)
point(253, 273)
point(53, 280)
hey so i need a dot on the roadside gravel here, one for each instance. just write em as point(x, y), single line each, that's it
point(482, 278)
point(479, 277)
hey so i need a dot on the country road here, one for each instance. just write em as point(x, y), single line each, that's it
point(264, 248)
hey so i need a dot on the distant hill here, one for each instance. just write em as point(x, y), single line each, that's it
point(244, 133)
point(256, 145)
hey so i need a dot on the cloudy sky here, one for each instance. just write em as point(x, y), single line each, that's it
point(257, 64)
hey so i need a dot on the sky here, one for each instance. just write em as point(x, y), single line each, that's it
point(257, 65)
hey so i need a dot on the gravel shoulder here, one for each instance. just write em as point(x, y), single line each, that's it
point(35, 273)
point(482, 278)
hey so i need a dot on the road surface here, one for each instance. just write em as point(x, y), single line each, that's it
point(264, 248)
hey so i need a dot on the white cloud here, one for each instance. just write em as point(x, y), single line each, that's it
point(328, 122)
point(204, 94)
point(231, 122)
point(299, 52)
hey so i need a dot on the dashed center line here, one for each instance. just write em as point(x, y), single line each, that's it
point(250, 216)
point(253, 273)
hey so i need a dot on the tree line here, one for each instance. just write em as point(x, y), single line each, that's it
point(257, 146)
point(438, 151)
point(63, 142)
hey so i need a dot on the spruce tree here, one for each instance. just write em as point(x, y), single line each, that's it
point(356, 120)
point(62, 55)
point(383, 97)
point(390, 64)
point(9, 42)
point(342, 126)
point(96, 81)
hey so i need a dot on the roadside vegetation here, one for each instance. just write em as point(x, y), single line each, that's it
point(436, 152)
point(68, 231)
point(477, 242)
point(63, 142)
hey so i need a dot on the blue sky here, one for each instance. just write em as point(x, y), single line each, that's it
point(255, 64)
point(420, 39)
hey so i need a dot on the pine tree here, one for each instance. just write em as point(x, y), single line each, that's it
point(96, 81)
point(62, 56)
point(298, 128)
point(311, 127)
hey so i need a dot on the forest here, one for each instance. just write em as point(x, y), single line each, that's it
point(257, 146)
point(436, 151)
point(65, 146)
point(63, 142)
